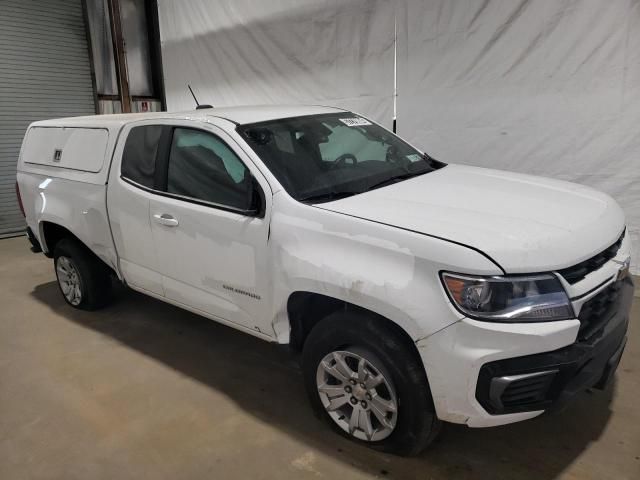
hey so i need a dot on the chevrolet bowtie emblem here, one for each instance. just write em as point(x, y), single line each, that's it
point(624, 269)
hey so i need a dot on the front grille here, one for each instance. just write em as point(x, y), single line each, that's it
point(577, 272)
point(596, 312)
point(526, 391)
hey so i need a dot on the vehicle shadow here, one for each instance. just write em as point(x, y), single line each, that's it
point(218, 356)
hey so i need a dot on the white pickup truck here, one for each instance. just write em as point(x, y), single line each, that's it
point(417, 292)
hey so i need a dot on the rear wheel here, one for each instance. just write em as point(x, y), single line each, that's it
point(84, 281)
point(363, 377)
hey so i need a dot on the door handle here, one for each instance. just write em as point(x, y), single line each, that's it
point(166, 219)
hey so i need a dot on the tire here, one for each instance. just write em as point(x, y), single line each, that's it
point(89, 276)
point(362, 339)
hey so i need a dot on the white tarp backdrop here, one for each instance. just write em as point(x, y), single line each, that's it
point(535, 86)
point(544, 87)
point(241, 52)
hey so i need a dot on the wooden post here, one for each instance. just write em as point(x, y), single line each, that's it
point(120, 56)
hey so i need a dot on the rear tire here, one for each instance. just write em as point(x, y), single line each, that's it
point(84, 281)
point(408, 423)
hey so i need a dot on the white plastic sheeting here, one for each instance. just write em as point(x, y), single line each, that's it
point(239, 52)
point(535, 86)
point(544, 87)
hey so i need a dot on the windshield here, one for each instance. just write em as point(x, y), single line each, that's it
point(324, 157)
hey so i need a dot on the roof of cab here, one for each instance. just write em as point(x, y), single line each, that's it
point(239, 115)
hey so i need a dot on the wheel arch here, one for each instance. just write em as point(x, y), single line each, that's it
point(307, 309)
point(51, 233)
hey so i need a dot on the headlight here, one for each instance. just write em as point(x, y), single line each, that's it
point(536, 298)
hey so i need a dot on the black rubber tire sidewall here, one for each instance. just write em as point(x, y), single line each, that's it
point(95, 281)
point(417, 424)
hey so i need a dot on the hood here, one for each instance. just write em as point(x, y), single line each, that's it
point(524, 223)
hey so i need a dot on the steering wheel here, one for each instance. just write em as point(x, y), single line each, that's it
point(392, 155)
point(342, 160)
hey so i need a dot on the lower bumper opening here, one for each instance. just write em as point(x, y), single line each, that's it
point(512, 391)
point(548, 380)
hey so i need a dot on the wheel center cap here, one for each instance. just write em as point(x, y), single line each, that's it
point(359, 392)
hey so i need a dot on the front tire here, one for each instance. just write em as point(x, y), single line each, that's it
point(365, 378)
point(84, 281)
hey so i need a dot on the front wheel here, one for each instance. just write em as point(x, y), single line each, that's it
point(365, 378)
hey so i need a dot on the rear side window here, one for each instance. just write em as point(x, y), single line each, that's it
point(139, 156)
point(203, 167)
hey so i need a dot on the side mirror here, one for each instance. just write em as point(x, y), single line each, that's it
point(256, 199)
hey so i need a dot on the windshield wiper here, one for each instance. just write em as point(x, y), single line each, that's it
point(433, 163)
point(326, 196)
point(395, 179)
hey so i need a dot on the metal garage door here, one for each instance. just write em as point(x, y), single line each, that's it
point(44, 73)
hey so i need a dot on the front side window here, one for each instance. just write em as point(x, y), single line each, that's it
point(324, 157)
point(139, 155)
point(203, 167)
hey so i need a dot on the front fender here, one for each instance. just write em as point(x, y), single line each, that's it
point(389, 271)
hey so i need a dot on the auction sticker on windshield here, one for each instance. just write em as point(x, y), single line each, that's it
point(355, 122)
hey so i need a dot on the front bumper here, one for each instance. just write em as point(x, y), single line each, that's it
point(485, 374)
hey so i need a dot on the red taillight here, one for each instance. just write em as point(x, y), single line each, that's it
point(19, 199)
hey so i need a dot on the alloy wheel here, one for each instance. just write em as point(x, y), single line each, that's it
point(69, 280)
point(358, 396)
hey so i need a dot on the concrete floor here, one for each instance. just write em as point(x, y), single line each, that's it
point(145, 390)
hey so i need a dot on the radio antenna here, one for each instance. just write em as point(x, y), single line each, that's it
point(198, 106)
point(193, 95)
